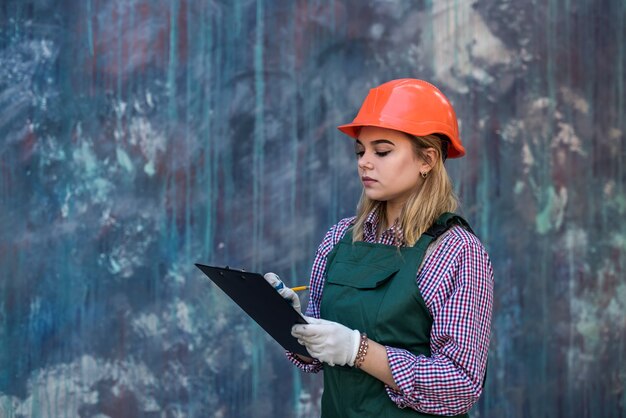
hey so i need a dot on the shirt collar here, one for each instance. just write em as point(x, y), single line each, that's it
point(371, 224)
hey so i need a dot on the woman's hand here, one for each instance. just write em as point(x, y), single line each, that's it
point(283, 290)
point(328, 341)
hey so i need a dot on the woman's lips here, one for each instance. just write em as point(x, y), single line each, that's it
point(367, 181)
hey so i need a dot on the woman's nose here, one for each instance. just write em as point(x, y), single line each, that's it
point(365, 163)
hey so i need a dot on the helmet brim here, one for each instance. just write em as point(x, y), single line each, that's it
point(353, 129)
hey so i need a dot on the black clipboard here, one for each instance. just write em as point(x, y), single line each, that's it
point(261, 302)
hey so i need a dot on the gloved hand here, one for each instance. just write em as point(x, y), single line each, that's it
point(283, 290)
point(328, 341)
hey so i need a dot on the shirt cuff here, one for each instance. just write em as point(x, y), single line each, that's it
point(401, 363)
point(313, 367)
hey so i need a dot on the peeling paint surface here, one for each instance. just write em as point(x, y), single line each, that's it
point(138, 137)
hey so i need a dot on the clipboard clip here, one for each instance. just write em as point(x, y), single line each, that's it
point(235, 270)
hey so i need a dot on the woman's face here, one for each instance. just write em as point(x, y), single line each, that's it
point(388, 166)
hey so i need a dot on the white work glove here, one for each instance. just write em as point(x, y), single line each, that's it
point(283, 290)
point(328, 341)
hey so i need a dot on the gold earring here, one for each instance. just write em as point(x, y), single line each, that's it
point(424, 174)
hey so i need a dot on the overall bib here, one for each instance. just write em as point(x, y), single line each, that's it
point(372, 287)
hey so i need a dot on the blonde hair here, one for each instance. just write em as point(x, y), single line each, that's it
point(424, 206)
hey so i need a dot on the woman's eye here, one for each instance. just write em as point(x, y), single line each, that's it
point(359, 154)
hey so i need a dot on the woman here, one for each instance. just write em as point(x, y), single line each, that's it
point(401, 294)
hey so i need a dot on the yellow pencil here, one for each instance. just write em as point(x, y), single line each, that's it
point(299, 288)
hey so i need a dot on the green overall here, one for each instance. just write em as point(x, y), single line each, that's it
point(372, 287)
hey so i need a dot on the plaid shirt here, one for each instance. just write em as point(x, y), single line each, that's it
point(456, 283)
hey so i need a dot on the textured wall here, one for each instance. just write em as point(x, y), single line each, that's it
point(140, 136)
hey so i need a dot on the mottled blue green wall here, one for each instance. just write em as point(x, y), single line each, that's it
point(140, 136)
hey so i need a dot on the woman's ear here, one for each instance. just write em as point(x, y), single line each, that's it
point(430, 156)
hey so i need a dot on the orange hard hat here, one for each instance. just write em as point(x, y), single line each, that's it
point(412, 106)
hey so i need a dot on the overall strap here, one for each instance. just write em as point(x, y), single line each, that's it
point(444, 222)
point(347, 238)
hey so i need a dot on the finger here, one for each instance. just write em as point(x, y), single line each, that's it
point(274, 280)
point(314, 353)
point(289, 294)
point(310, 340)
point(314, 341)
point(299, 332)
point(296, 306)
point(319, 354)
point(317, 344)
point(307, 339)
point(296, 330)
point(305, 331)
